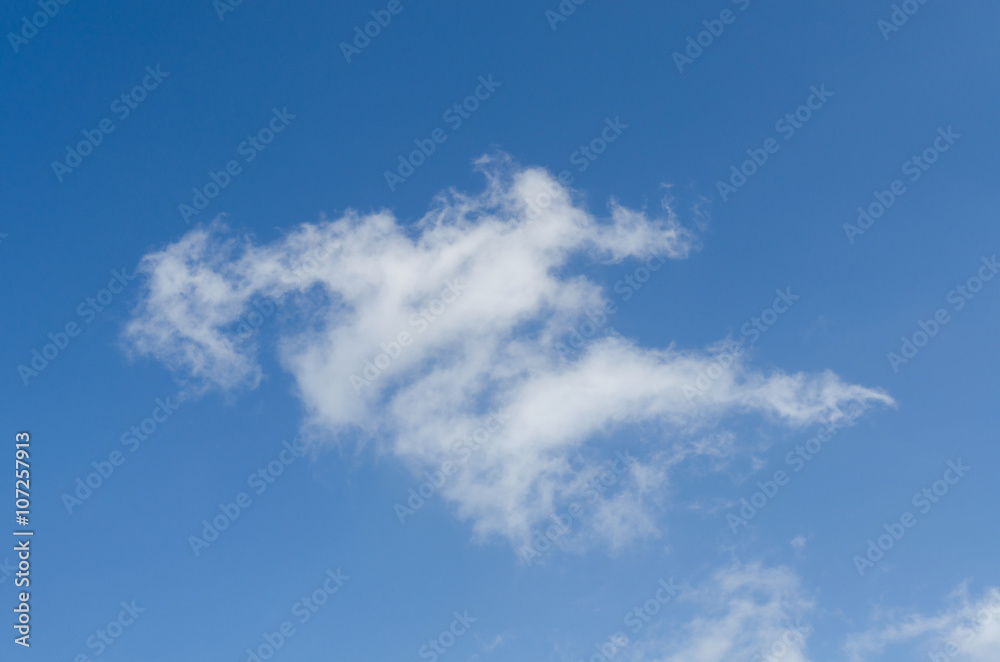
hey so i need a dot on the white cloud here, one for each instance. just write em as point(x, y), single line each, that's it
point(485, 289)
point(967, 630)
point(762, 614)
point(745, 612)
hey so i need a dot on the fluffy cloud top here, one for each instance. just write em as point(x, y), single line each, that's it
point(414, 334)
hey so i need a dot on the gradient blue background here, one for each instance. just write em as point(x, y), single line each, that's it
point(783, 229)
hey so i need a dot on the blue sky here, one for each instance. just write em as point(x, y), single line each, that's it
point(584, 169)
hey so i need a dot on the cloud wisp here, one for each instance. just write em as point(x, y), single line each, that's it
point(760, 613)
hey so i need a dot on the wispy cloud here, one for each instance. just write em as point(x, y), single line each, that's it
point(744, 612)
point(760, 613)
point(967, 629)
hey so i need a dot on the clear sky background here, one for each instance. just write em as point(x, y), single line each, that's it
point(559, 84)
